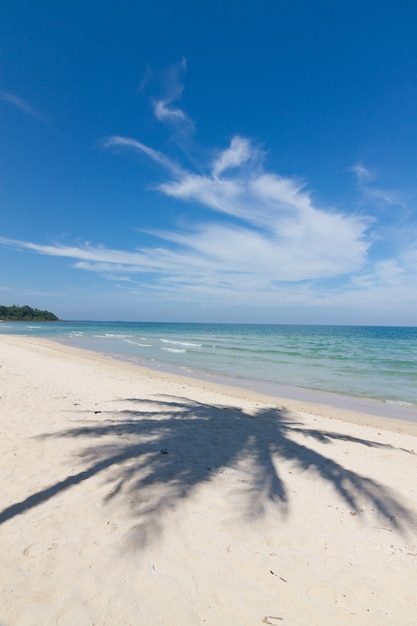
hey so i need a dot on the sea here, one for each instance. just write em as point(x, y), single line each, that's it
point(372, 369)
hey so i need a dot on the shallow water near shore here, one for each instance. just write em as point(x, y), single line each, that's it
point(372, 369)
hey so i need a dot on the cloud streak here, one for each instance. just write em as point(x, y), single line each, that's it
point(155, 155)
point(236, 275)
point(266, 224)
point(371, 191)
point(22, 106)
point(164, 110)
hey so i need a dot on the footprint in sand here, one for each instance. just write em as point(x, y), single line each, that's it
point(34, 549)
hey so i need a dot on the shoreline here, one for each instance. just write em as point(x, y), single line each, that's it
point(132, 496)
point(406, 422)
point(388, 394)
point(404, 412)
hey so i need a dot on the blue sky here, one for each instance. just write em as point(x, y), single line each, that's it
point(233, 161)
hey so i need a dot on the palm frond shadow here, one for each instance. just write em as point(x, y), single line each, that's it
point(157, 452)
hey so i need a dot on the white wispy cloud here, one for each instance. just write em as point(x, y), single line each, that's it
point(164, 108)
point(238, 153)
point(242, 272)
point(387, 196)
point(279, 234)
point(147, 77)
point(371, 190)
point(155, 155)
point(361, 172)
point(23, 106)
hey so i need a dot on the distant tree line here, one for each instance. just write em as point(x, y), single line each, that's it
point(25, 314)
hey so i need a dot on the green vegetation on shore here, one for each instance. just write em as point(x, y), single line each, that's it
point(25, 314)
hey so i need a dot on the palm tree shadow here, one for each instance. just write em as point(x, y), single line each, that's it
point(157, 452)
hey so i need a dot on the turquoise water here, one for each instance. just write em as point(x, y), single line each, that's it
point(373, 362)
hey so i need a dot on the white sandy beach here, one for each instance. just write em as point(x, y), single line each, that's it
point(130, 496)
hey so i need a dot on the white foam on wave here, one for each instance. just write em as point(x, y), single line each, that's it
point(173, 350)
point(400, 403)
point(182, 343)
point(141, 345)
point(112, 336)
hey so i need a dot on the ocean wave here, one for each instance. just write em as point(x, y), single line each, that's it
point(141, 345)
point(182, 343)
point(400, 403)
point(173, 350)
point(112, 336)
